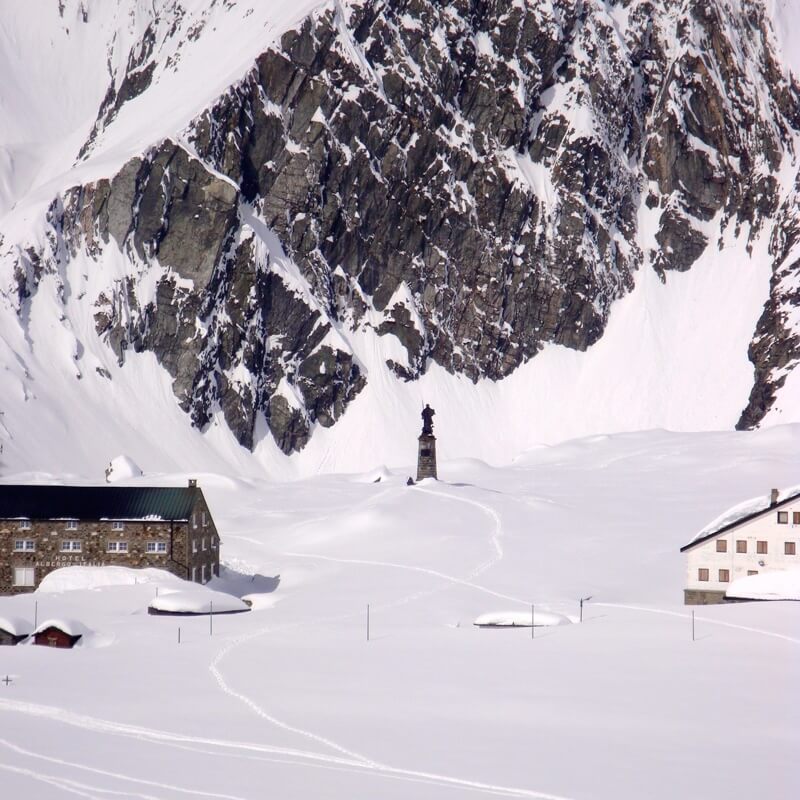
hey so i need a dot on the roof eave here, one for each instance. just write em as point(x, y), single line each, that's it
point(731, 525)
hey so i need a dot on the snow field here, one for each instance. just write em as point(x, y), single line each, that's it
point(294, 698)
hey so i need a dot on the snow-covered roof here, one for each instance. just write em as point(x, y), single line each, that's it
point(776, 585)
point(197, 601)
point(15, 626)
point(742, 512)
point(520, 619)
point(70, 626)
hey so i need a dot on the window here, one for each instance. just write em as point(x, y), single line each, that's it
point(156, 547)
point(783, 517)
point(722, 546)
point(752, 572)
point(724, 576)
point(194, 574)
point(203, 545)
point(23, 576)
point(204, 520)
point(203, 573)
point(702, 574)
point(795, 517)
point(71, 546)
point(24, 545)
point(761, 548)
point(789, 549)
point(24, 524)
point(741, 545)
point(194, 545)
point(117, 547)
point(117, 526)
point(71, 525)
point(194, 520)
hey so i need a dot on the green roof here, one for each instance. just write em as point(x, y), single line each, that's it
point(96, 502)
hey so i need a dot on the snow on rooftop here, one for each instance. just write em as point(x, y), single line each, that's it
point(16, 626)
point(521, 619)
point(742, 510)
point(70, 626)
point(198, 600)
point(767, 586)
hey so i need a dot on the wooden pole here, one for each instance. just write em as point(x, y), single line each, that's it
point(179, 634)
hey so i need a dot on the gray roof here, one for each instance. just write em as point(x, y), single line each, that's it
point(96, 502)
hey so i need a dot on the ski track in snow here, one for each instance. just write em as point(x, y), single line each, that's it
point(361, 760)
point(256, 709)
point(479, 570)
point(701, 619)
point(163, 737)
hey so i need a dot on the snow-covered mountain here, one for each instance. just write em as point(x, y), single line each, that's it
point(288, 223)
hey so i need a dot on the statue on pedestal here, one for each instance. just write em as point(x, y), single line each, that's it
point(426, 457)
point(427, 420)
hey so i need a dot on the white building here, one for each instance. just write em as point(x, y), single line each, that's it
point(757, 536)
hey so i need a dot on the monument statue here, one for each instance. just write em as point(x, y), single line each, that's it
point(427, 420)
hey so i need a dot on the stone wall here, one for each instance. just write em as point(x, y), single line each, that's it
point(702, 597)
point(94, 537)
point(200, 548)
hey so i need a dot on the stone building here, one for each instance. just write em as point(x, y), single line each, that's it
point(760, 535)
point(43, 528)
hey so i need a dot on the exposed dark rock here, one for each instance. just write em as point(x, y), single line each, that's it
point(492, 159)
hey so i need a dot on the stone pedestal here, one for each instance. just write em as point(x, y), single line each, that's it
point(426, 459)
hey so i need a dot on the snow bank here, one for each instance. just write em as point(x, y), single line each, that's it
point(69, 579)
point(376, 475)
point(16, 626)
point(122, 468)
point(767, 586)
point(197, 601)
point(520, 619)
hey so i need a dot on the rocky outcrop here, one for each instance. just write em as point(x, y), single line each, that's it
point(775, 349)
point(467, 177)
point(220, 318)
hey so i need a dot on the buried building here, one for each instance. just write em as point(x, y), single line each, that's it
point(43, 528)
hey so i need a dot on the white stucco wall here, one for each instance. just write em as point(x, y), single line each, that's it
point(764, 528)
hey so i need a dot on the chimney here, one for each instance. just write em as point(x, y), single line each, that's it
point(773, 498)
point(193, 483)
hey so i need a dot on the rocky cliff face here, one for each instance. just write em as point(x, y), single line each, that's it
point(474, 179)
